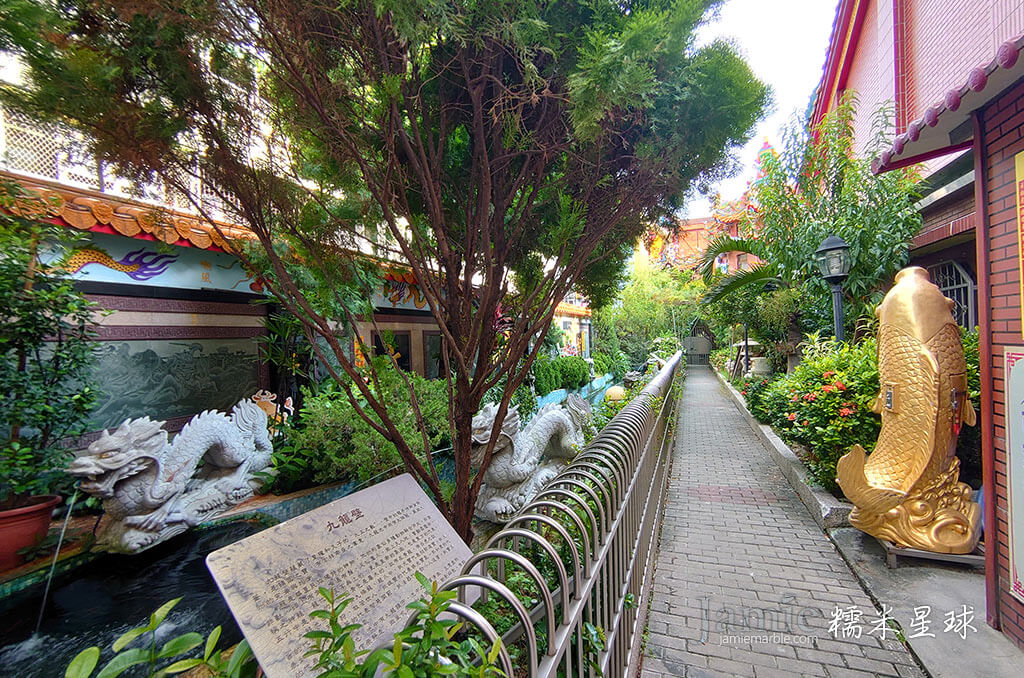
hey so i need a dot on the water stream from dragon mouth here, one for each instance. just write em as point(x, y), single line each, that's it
point(53, 565)
point(95, 603)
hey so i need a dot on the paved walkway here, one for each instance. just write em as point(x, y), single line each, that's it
point(747, 584)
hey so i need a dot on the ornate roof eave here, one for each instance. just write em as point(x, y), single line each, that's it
point(572, 310)
point(87, 210)
point(945, 126)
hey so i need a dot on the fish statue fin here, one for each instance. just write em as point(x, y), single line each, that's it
point(851, 477)
point(970, 416)
point(878, 403)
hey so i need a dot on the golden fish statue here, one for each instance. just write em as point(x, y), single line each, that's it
point(908, 491)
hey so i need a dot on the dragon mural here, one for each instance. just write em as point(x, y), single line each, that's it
point(908, 491)
point(524, 461)
point(137, 265)
point(153, 489)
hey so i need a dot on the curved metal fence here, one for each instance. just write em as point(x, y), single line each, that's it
point(570, 572)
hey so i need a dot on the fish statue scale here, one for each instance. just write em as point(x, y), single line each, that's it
point(908, 490)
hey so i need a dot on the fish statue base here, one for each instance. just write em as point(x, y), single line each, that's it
point(941, 519)
point(907, 491)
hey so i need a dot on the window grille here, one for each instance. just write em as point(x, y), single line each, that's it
point(956, 283)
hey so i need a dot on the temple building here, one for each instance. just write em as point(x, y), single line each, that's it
point(683, 246)
point(956, 78)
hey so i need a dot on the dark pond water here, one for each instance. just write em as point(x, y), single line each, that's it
point(96, 603)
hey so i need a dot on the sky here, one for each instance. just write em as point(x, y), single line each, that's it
point(785, 42)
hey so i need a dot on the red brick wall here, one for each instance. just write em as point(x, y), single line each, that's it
point(947, 38)
point(948, 220)
point(872, 74)
point(1003, 139)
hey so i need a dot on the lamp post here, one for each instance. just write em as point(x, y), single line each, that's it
point(833, 259)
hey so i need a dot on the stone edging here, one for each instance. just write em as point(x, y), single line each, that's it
point(826, 510)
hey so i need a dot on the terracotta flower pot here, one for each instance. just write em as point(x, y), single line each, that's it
point(24, 526)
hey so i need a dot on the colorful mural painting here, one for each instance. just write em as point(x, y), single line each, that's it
point(114, 259)
point(138, 264)
point(165, 379)
point(401, 290)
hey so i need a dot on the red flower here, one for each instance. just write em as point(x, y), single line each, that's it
point(827, 375)
point(840, 386)
point(796, 397)
point(845, 411)
point(827, 388)
point(811, 396)
point(806, 422)
point(743, 393)
point(792, 416)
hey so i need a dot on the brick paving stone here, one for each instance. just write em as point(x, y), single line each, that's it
point(746, 583)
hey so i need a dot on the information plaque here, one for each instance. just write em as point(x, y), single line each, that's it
point(367, 545)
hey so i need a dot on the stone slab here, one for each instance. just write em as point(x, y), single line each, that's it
point(917, 583)
point(827, 510)
point(367, 545)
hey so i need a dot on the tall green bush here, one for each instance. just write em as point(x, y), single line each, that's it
point(45, 354)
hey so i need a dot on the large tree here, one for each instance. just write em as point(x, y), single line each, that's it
point(505, 151)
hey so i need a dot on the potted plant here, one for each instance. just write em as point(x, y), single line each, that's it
point(45, 353)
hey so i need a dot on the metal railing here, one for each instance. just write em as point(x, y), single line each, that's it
point(587, 542)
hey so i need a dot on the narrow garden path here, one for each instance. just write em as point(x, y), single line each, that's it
point(747, 584)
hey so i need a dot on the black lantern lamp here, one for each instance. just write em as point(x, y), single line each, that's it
point(833, 259)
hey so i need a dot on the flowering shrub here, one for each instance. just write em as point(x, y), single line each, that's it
point(753, 391)
point(825, 404)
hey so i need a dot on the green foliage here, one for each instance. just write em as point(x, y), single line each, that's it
point(825, 404)
point(815, 187)
point(574, 372)
point(286, 348)
point(968, 446)
point(45, 354)
point(654, 303)
point(602, 362)
point(427, 647)
point(331, 442)
point(546, 376)
point(568, 372)
point(166, 659)
point(523, 397)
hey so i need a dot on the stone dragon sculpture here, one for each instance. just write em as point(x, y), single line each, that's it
point(153, 489)
point(524, 461)
point(908, 490)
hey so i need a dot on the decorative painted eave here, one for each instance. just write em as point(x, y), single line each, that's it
point(945, 126)
point(87, 210)
point(572, 310)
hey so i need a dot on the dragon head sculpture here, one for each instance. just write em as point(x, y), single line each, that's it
point(128, 451)
point(483, 423)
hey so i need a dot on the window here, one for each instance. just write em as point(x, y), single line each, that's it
point(401, 342)
point(956, 283)
point(433, 363)
point(566, 325)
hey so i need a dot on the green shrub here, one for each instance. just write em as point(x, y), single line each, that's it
point(968, 446)
point(719, 357)
point(573, 372)
point(546, 377)
point(523, 397)
point(333, 442)
point(602, 363)
point(824, 405)
point(753, 391)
